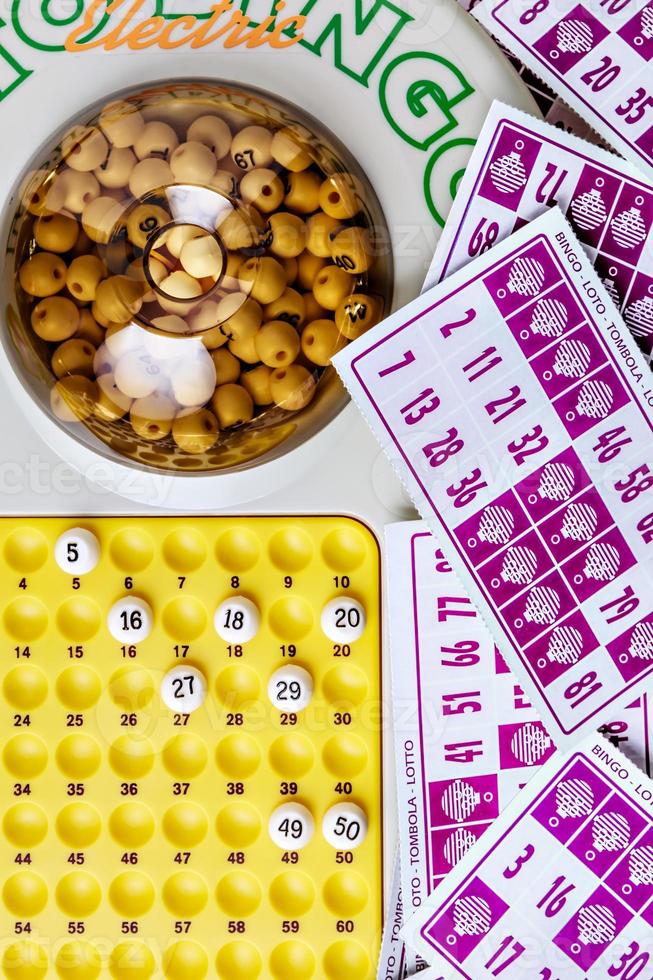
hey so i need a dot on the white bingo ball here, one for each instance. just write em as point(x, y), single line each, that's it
point(290, 688)
point(291, 827)
point(77, 551)
point(237, 620)
point(343, 620)
point(130, 620)
point(183, 689)
point(137, 375)
point(344, 826)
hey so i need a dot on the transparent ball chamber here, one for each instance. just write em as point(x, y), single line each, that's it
point(183, 262)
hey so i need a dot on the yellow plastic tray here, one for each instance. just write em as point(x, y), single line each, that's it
point(135, 842)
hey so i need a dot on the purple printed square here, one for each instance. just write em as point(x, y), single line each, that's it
point(632, 652)
point(509, 166)
point(576, 524)
point(523, 277)
point(554, 484)
point(632, 878)
point(629, 226)
point(449, 845)
point(466, 920)
point(519, 566)
point(524, 744)
point(540, 608)
point(638, 32)
point(566, 362)
point(577, 794)
point(546, 320)
point(557, 650)
point(457, 801)
point(615, 276)
point(591, 401)
point(591, 203)
point(604, 840)
point(593, 928)
point(567, 43)
point(638, 311)
point(492, 528)
point(601, 562)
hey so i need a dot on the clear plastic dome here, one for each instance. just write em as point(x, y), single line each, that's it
point(186, 259)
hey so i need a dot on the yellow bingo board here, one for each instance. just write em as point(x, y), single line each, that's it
point(191, 735)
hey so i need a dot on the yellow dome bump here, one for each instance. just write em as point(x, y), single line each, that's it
point(78, 894)
point(346, 893)
point(345, 755)
point(238, 550)
point(24, 960)
point(26, 618)
point(131, 688)
point(132, 549)
point(292, 894)
point(185, 894)
point(79, 618)
point(25, 756)
point(185, 824)
point(185, 549)
point(78, 961)
point(238, 755)
point(131, 757)
point(25, 894)
point(131, 894)
point(238, 894)
point(239, 959)
point(25, 825)
point(345, 684)
point(185, 960)
point(237, 685)
point(185, 755)
point(78, 756)
point(79, 687)
point(290, 549)
point(131, 824)
point(291, 618)
point(131, 961)
point(185, 618)
point(25, 687)
point(344, 549)
point(346, 959)
point(26, 549)
point(292, 755)
point(292, 960)
point(238, 824)
point(79, 825)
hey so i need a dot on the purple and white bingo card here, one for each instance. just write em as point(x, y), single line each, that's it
point(521, 167)
point(466, 737)
point(596, 56)
point(516, 408)
point(560, 887)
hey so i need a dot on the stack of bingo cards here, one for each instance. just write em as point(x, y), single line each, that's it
point(516, 408)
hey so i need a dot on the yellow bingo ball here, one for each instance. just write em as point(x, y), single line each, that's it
point(196, 432)
point(55, 318)
point(264, 279)
point(351, 250)
point(262, 188)
point(303, 193)
point(277, 343)
point(56, 232)
point(321, 340)
point(331, 286)
point(121, 123)
point(340, 196)
point(292, 388)
point(73, 357)
point(257, 383)
point(320, 228)
point(288, 235)
point(357, 313)
point(84, 275)
point(232, 404)
point(291, 307)
point(45, 274)
point(227, 367)
point(288, 151)
point(251, 148)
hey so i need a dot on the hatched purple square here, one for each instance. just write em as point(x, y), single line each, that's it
point(449, 846)
point(632, 652)
point(466, 920)
point(568, 41)
point(591, 203)
point(578, 792)
point(554, 653)
point(523, 277)
point(541, 607)
point(598, 564)
point(638, 32)
point(492, 528)
point(608, 835)
point(508, 169)
point(638, 311)
point(524, 745)
point(593, 928)
point(546, 320)
point(629, 225)
point(457, 801)
point(576, 524)
point(553, 484)
point(591, 401)
point(567, 361)
point(516, 567)
point(632, 878)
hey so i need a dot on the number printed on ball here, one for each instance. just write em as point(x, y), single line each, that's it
point(183, 689)
point(290, 688)
point(237, 620)
point(77, 551)
point(344, 826)
point(291, 826)
point(343, 620)
point(130, 620)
